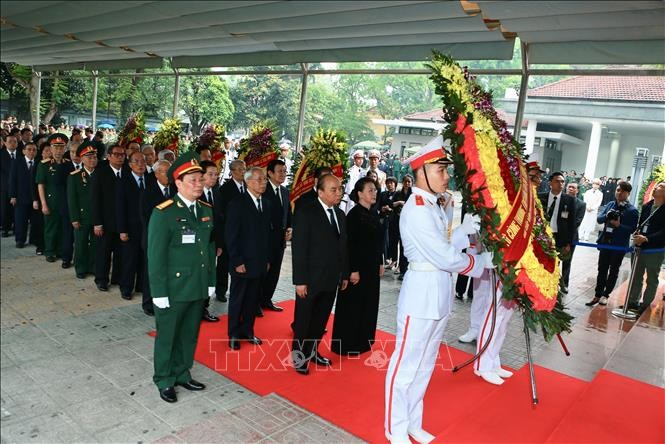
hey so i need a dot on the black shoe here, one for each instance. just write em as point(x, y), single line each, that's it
point(303, 369)
point(192, 385)
point(254, 340)
point(593, 302)
point(221, 298)
point(320, 360)
point(209, 317)
point(400, 277)
point(5, 234)
point(66, 265)
point(20, 244)
point(39, 252)
point(234, 343)
point(103, 287)
point(50, 258)
point(149, 312)
point(168, 394)
point(273, 307)
point(259, 313)
point(126, 295)
point(459, 296)
point(80, 275)
point(564, 289)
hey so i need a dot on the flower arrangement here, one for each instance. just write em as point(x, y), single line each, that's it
point(134, 130)
point(489, 166)
point(646, 191)
point(213, 137)
point(168, 136)
point(260, 147)
point(326, 148)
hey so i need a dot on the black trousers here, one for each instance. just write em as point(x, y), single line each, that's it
point(108, 246)
point(271, 279)
point(131, 271)
point(222, 283)
point(462, 283)
point(67, 239)
point(6, 212)
point(609, 263)
point(25, 218)
point(243, 305)
point(37, 229)
point(392, 237)
point(311, 316)
point(565, 267)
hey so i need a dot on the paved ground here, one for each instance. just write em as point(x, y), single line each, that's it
point(77, 363)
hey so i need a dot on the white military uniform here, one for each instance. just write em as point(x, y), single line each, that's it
point(593, 199)
point(423, 308)
point(355, 173)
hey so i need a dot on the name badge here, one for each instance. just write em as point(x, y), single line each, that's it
point(609, 229)
point(188, 237)
point(564, 214)
point(645, 229)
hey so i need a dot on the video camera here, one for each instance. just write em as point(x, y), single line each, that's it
point(613, 215)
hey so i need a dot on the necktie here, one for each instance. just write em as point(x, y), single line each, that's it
point(210, 197)
point(279, 196)
point(332, 221)
point(30, 165)
point(12, 154)
point(550, 210)
point(166, 192)
point(117, 174)
point(192, 209)
point(141, 186)
point(259, 204)
point(242, 189)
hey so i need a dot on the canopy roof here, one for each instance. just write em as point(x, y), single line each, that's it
point(61, 35)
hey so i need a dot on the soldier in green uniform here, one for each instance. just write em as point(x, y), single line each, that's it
point(181, 268)
point(79, 199)
point(49, 195)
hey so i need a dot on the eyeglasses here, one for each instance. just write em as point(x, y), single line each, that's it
point(263, 179)
point(118, 154)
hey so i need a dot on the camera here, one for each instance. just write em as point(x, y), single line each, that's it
point(613, 215)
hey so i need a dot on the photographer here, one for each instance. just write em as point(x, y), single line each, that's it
point(619, 219)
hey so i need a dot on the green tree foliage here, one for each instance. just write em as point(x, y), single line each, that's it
point(205, 100)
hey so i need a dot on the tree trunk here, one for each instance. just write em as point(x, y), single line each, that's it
point(33, 90)
point(52, 111)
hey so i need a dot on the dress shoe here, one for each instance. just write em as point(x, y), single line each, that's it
point(39, 252)
point(209, 317)
point(302, 369)
point(50, 258)
point(168, 394)
point(468, 337)
point(126, 295)
point(259, 313)
point(421, 436)
point(400, 277)
point(593, 302)
point(149, 312)
point(234, 343)
point(490, 377)
point(459, 296)
point(221, 298)
point(320, 360)
point(66, 265)
point(273, 307)
point(603, 300)
point(20, 245)
point(254, 340)
point(564, 289)
point(503, 373)
point(103, 287)
point(192, 385)
point(80, 275)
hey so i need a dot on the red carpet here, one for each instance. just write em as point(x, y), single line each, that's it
point(459, 407)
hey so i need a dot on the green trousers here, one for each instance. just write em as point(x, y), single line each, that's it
point(649, 263)
point(177, 334)
point(53, 233)
point(85, 243)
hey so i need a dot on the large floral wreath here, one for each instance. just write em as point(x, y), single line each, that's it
point(168, 136)
point(213, 138)
point(489, 166)
point(260, 147)
point(133, 131)
point(646, 191)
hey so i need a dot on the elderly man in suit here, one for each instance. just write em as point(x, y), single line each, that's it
point(8, 156)
point(320, 268)
point(280, 214)
point(560, 213)
point(247, 235)
point(22, 193)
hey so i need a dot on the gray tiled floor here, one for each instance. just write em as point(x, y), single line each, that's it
point(77, 363)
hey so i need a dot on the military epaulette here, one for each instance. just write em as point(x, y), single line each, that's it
point(202, 202)
point(420, 200)
point(165, 204)
point(46, 161)
point(75, 172)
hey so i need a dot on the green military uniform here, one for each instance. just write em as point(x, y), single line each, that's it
point(79, 199)
point(46, 175)
point(181, 266)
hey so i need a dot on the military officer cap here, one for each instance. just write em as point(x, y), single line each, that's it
point(57, 139)
point(433, 152)
point(534, 166)
point(374, 153)
point(358, 153)
point(185, 164)
point(86, 147)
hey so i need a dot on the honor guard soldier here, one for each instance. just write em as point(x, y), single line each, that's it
point(181, 268)
point(49, 195)
point(79, 198)
point(425, 298)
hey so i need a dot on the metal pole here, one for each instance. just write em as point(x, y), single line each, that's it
point(37, 76)
point(176, 93)
point(532, 374)
point(95, 89)
point(624, 312)
point(301, 112)
point(524, 86)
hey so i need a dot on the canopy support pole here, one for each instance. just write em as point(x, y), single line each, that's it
point(524, 86)
point(301, 111)
point(95, 89)
point(36, 96)
point(176, 93)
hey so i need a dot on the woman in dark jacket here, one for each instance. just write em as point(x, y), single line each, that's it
point(357, 307)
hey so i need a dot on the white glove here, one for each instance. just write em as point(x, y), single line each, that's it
point(459, 239)
point(470, 224)
point(486, 259)
point(161, 302)
point(211, 291)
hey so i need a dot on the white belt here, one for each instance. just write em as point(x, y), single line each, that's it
point(422, 266)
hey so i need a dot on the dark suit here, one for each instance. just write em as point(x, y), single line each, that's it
point(247, 237)
point(580, 209)
point(22, 188)
point(218, 233)
point(63, 171)
point(6, 210)
point(320, 261)
point(280, 215)
point(150, 198)
point(104, 187)
point(128, 211)
point(565, 219)
point(227, 193)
